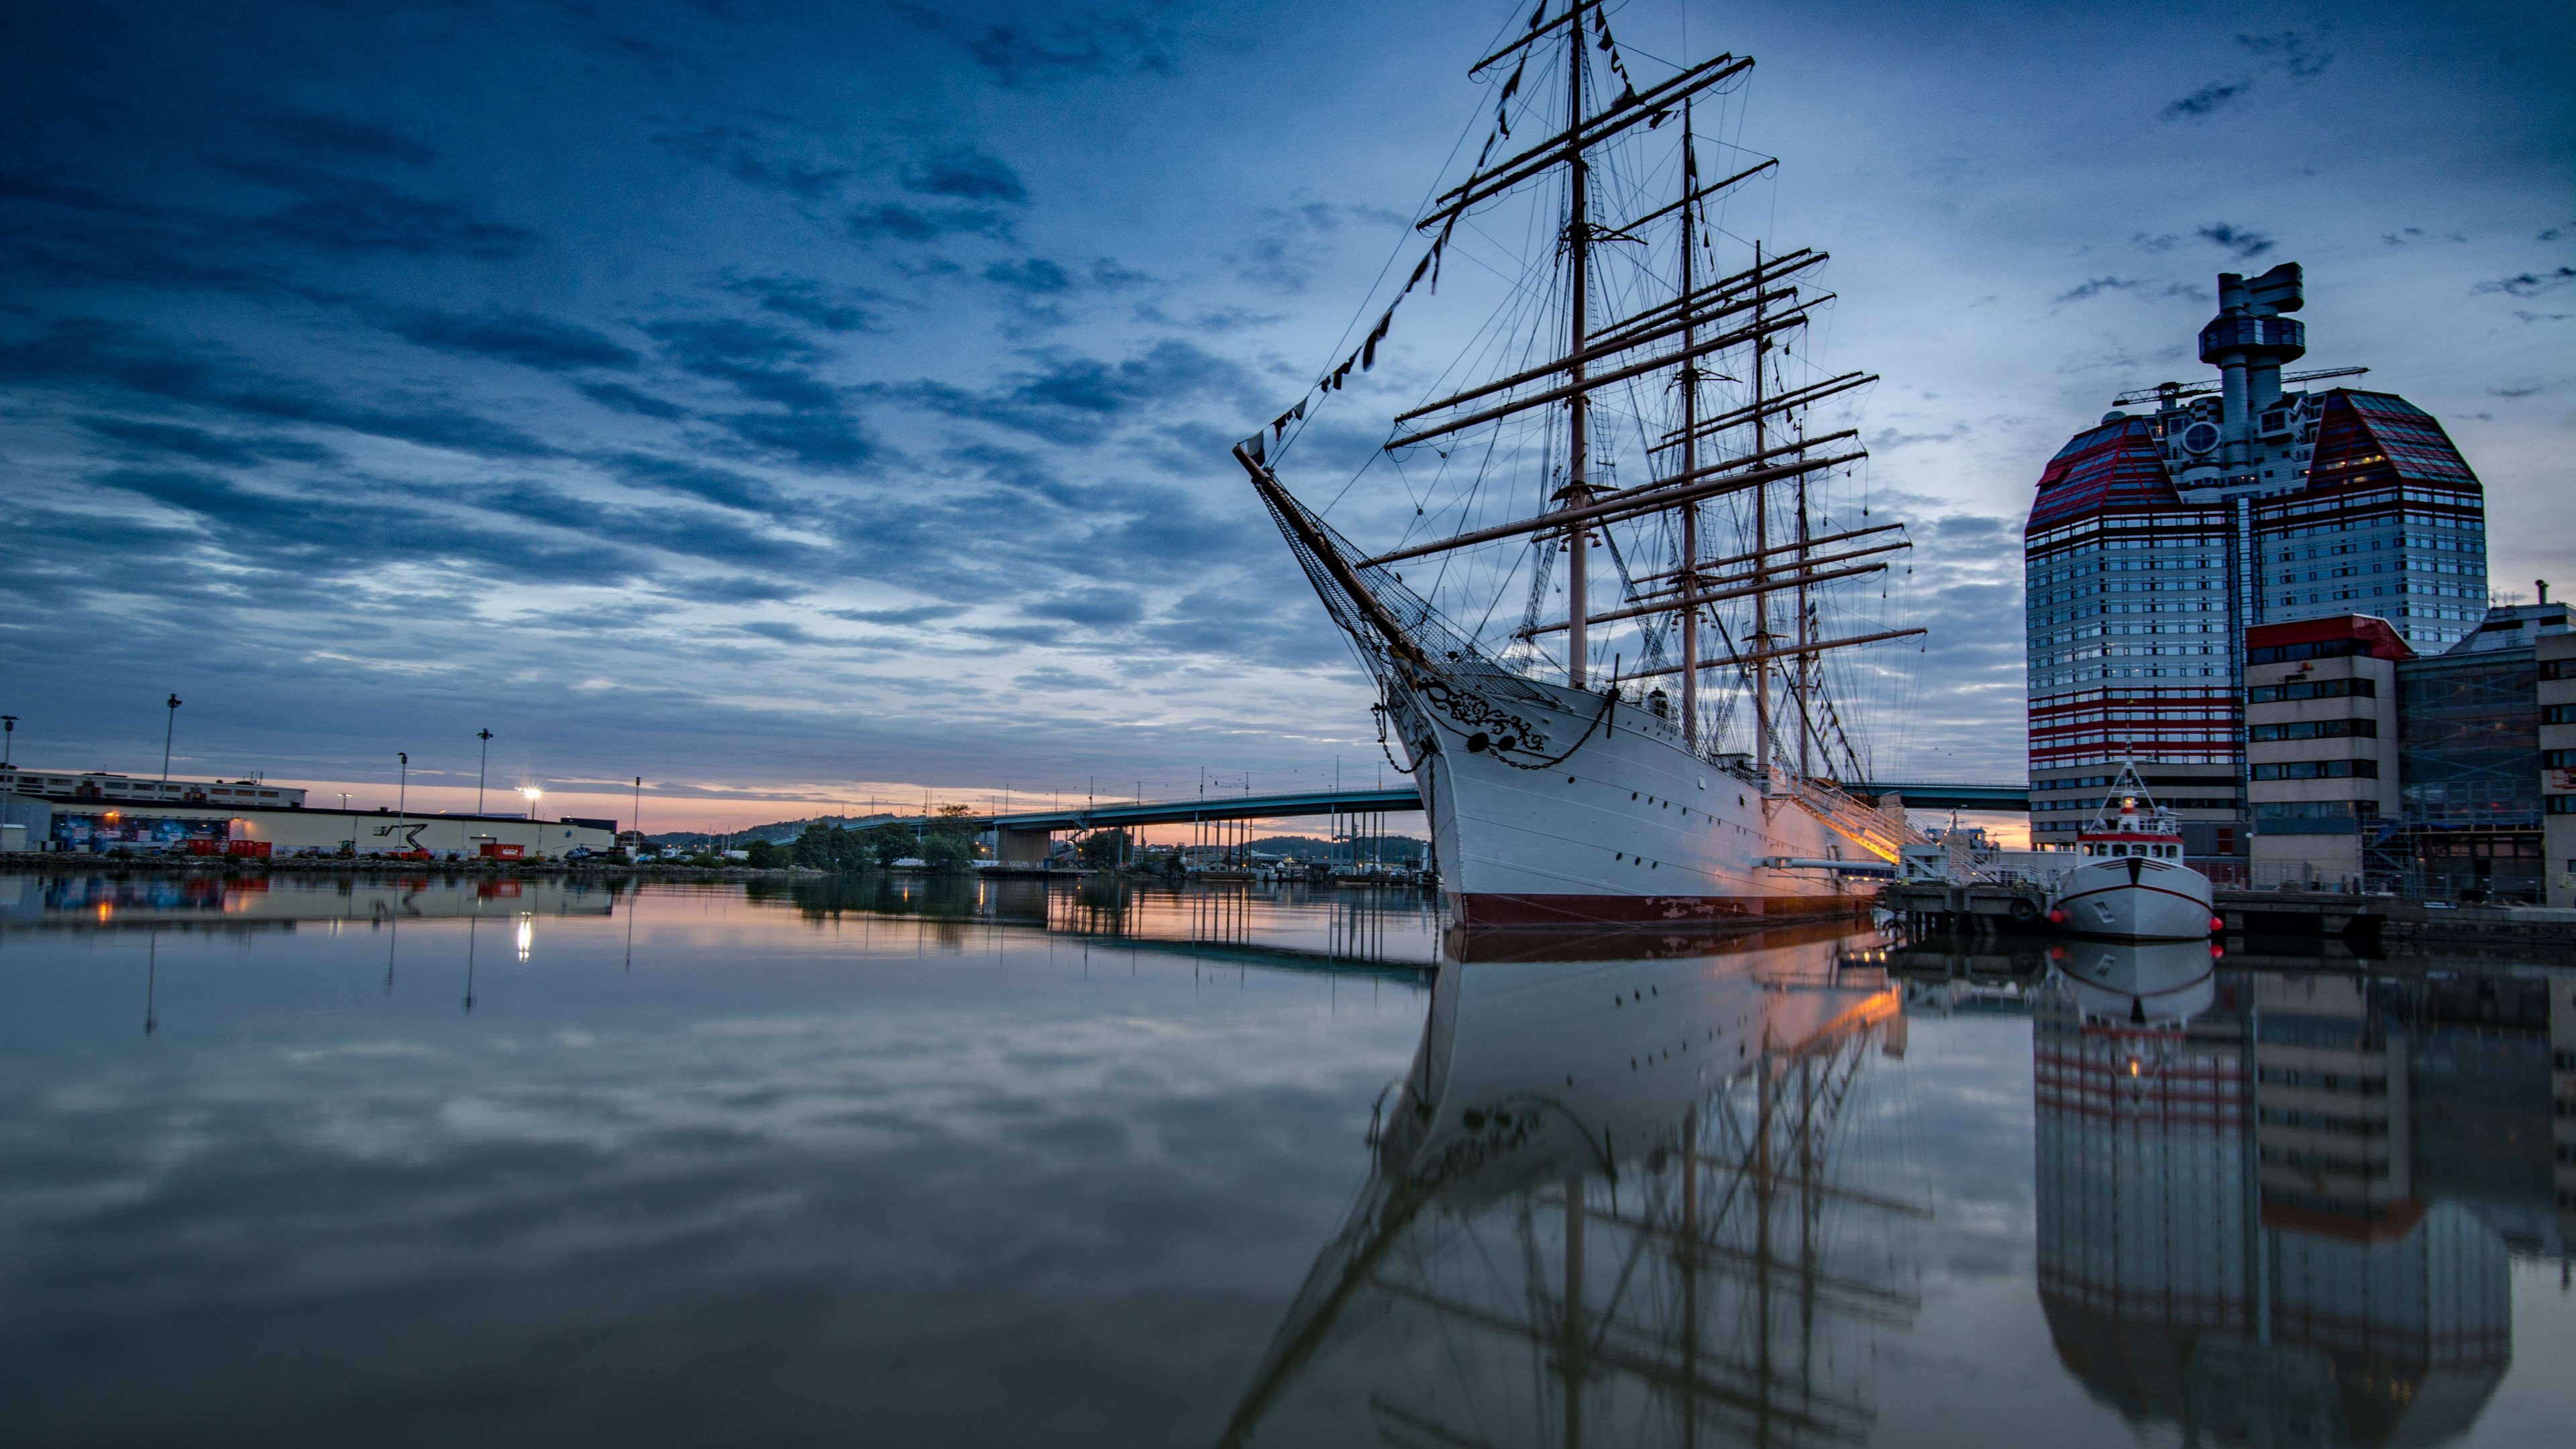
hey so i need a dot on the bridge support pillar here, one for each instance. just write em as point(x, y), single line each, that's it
point(1025, 847)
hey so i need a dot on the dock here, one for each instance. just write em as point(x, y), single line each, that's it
point(2365, 922)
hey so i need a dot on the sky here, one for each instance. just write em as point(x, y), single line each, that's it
point(817, 406)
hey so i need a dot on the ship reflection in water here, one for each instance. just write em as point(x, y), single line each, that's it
point(1607, 1204)
point(923, 1160)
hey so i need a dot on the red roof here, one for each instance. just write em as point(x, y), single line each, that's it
point(2116, 465)
point(2381, 636)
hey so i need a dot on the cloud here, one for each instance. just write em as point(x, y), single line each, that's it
point(2099, 285)
point(703, 481)
point(521, 337)
point(2528, 284)
point(205, 447)
point(1087, 45)
point(1030, 274)
point(816, 439)
point(914, 224)
point(1069, 397)
point(966, 176)
point(625, 399)
point(759, 360)
point(738, 152)
point(2289, 53)
point(808, 301)
point(93, 354)
point(2245, 242)
point(351, 215)
point(918, 614)
point(344, 138)
point(1098, 608)
point(2208, 99)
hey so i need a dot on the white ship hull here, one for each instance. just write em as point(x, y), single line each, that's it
point(2134, 899)
point(1581, 811)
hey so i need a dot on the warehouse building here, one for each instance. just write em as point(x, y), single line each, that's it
point(2373, 767)
point(95, 812)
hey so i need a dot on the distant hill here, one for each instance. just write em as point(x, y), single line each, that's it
point(777, 832)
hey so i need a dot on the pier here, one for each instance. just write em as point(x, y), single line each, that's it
point(2364, 922)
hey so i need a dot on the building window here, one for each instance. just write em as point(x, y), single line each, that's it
point(2313, 689)
point(2315, 729)
point(2320, 770)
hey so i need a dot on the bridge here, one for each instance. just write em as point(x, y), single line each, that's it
point(1023, 834)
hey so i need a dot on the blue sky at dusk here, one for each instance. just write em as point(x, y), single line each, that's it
point(810, 403)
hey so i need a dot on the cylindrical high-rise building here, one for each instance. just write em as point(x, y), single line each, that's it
point(2157, 539)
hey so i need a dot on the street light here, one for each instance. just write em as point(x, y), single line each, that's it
point(486, 737)
point(8, 738)
point(402, 798)
point(536, 832)
point(166, 731)
point(349, 820)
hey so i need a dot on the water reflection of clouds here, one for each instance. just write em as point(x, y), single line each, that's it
point(806, 1183)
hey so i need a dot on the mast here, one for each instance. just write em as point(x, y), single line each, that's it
point(1578, 417)
point(1806, 656)
point(1690, 453)
point(1761, 546)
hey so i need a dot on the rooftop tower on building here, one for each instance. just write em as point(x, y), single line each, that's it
point(2160, 536)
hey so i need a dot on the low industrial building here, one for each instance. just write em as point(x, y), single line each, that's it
point(2554, 654)
point(2321, 735)
point(97, 812)
point(2370, 767)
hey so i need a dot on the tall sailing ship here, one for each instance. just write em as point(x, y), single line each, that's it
point(1618, 338)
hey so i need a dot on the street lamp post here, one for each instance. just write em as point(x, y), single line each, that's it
point(486, 737)
point(402, 796)
point(167, 730)
point(536, 832)
point(349, 820)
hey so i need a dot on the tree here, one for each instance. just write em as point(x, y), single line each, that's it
point(765, 856)
point(829, 847)
point(1104, 849)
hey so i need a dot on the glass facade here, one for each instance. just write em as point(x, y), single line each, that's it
point(2140, 585)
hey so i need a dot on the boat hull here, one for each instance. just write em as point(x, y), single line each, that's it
point(1561, 807)
point(2134, 899)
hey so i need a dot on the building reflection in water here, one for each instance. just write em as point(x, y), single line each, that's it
point(1288, 923)
point(1609, 1203)
point(2250, 1224)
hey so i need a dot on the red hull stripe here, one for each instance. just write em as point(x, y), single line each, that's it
point(1491, 908)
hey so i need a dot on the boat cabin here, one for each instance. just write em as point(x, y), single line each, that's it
point(2151, 834)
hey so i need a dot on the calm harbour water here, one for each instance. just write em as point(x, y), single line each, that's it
point(883, 1163)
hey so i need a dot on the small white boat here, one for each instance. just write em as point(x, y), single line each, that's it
point(2132, 884)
